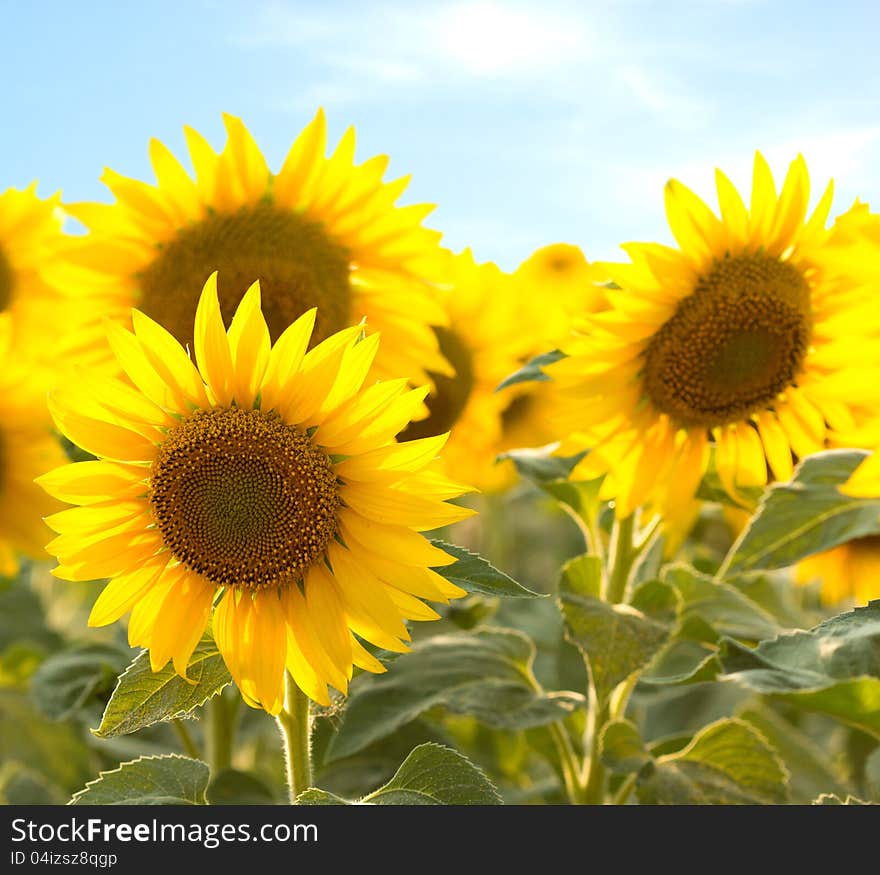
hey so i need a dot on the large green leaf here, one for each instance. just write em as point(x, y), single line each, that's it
point(430, 775)
point(143, 697)
point(73, 678)
point(727, 610)
point(532, 371)
point(486, 673)
point(727, 763)
point(805, 516)
point(165, 780)
point(616, 640)
point(812, 771)
point(833, 668)
point(478, 577)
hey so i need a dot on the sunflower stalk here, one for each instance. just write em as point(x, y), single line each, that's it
point(295, 724)
point(221, 732)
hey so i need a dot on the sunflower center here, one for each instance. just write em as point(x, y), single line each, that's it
point(298, 265)
point(733, 344)
point(6, 280)
point(242, 498)
point(451, 394)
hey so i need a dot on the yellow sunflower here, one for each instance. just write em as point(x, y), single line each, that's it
point(485, 342)
point(32, 293)
point(849, 571)
point(322, 232)
point(28, 447)
point(263, 483)
point(557, 287)
point(756, 337)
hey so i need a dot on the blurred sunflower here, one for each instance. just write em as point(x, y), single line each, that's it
point(756, 337)
point(42, 314)
point(263, 483)
point(850, 571)
point(322, 232)
point(485, 343)
point(28, 447)
point(557, 287)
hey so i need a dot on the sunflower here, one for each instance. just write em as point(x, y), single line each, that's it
point(263, 483)
point(28, 446)
point(32, 293)
point(322, 232)
point(757, 338)
point(557, 286)
point(484, 342)
point(850, 571)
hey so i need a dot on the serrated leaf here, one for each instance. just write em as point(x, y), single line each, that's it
point(811, 770)
point(616, 640)
point(532, 370)
point(834, 799)
point(165, 780)
point(69, 680)
point(682, 661)
point(479, 577)
point(622, 749)
point(431, 775)
point(142, 697)
point(806, 516)
point(727, 763)
point(486, 673)
point(727, 610)
point(833, 668)
point(232, 787)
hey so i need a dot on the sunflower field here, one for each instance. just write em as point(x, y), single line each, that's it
point(300, 506)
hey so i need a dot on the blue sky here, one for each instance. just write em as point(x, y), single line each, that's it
point(526, 122)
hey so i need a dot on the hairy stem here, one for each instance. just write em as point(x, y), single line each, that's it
point(295, 725)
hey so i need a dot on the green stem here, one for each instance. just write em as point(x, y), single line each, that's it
point(186, 740)
point(568, 761)
point(622, 557)
point(294, 721)
point(594, 792)
point(221, 732)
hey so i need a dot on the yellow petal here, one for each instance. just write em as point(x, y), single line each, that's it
point(212, 348)
point(249, 347)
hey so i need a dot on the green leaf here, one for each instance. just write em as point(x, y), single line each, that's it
point(550, 473)
point(486, 673)
point(20, 785)
point(165, 780)
point(811, 769)
point(622, 749)
point(142, 697)
point(431, 775)
point(805, 516)
point(56, 750)
point(531, 371)
point(23, 618)
point(71, 679)
point(616, 640)
point(834, 799)
point(478, 577)
point(833, 668)
point(723, 607)
point(683, 661)
point(727, 763)
point(232, 787)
